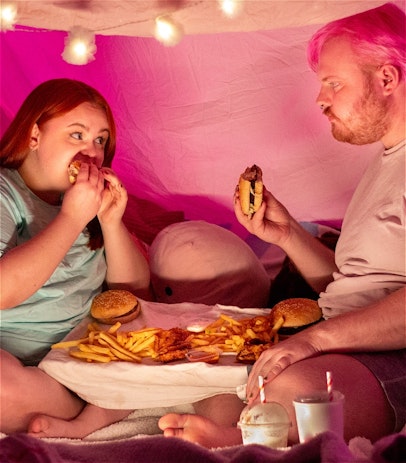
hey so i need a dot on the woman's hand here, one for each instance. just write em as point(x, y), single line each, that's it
point(277, 358)
point(83, 200)
point(271, 222)
point(114, 199)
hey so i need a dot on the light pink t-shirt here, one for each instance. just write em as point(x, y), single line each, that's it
point(370, 253)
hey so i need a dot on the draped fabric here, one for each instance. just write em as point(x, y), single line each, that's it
point(191, 117)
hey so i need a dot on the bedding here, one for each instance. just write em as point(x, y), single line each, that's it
point(324, 448)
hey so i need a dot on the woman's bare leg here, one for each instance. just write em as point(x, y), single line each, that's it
point(89, 420)
point(28, 391)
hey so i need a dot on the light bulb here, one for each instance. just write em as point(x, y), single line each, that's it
point(8, 16)
point(231, 8)
point(167, 31)
point(80, 46)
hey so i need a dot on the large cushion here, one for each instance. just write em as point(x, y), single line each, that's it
point(204, 263)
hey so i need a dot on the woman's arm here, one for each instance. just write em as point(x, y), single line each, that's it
point(25, 268)
point(127, 268)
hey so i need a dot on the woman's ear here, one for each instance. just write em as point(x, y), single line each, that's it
point(34, 139)
point(388, 76)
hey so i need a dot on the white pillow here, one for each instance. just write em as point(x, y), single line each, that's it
point(204, 263)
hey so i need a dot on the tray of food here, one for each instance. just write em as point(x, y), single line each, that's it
point(138, 354)
point(151, 361)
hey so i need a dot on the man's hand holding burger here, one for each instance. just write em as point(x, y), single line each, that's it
point(270, 221)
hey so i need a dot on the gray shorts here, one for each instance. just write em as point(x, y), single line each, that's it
point(389, 368)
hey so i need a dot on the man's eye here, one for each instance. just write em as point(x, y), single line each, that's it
point(77, 135)
point(334, 85)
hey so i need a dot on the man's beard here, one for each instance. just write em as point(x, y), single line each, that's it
point(367, 122)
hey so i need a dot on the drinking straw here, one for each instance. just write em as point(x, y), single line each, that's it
point(329, 377)
point(261, 389)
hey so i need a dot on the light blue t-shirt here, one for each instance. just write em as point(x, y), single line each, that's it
point(28, 330)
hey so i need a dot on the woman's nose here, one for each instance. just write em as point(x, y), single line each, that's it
point(92, 151)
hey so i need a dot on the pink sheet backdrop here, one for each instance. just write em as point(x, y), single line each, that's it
point(190, 118)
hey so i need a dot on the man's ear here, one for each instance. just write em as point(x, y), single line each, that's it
point(34, 139)
point(388, 76)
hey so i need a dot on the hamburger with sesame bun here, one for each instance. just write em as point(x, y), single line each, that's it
point(115, 305)
point(297, 313)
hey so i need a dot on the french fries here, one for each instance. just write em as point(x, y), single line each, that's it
point(225, 333)
point(230, 335)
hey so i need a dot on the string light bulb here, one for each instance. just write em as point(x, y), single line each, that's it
point(167, 31)
point(231, 8)
point(8, 12)
point(80, 46)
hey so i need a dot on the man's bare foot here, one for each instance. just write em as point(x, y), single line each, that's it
point(198, 429)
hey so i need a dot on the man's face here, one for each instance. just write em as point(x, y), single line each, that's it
point(350, 97)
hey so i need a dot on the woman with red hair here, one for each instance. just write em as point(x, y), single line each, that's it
point(60, 243)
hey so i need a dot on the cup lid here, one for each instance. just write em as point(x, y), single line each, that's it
point(265, 413)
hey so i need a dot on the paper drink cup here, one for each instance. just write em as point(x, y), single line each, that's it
point(266, 424)
point(316, 413)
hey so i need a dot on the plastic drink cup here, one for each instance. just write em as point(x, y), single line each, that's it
point(266, 424)
point(316, 413)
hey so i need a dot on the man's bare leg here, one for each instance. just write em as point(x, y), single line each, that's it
point(354, 380)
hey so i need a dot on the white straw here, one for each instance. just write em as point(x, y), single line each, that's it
point(261, 389)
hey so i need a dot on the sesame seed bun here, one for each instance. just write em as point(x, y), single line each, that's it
point(115, 305)
point(297, 313)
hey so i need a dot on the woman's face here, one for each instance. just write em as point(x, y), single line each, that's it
point(79, 134)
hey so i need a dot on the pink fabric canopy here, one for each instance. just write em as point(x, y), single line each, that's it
point(191, 117)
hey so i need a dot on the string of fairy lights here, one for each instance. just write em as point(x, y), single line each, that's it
point(80, 47)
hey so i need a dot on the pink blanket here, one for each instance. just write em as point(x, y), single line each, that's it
point(325, 448)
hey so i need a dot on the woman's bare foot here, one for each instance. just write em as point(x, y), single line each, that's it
point(48, 426)
point(91, 419)
point(198, 429)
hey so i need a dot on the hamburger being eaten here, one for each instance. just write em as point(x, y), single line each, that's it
point(250, 189)
point(73, 170)
point(115, 305)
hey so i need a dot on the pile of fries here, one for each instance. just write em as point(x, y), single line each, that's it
point(225, 333)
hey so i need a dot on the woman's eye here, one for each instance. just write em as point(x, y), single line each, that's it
point(77, 135)
point(100, 141)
